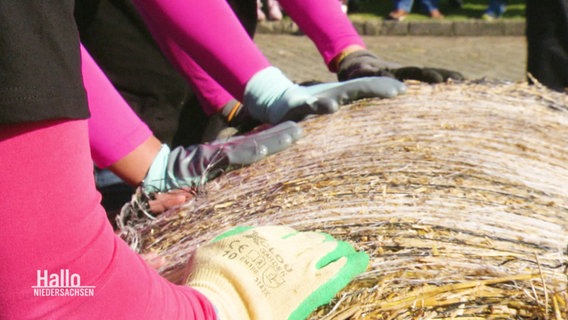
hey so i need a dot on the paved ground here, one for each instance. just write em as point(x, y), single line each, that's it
point(493, 57)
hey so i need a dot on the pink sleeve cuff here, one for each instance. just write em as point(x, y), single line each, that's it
point(325, 24)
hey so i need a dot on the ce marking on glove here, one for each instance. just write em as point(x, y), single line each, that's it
point(236, 248)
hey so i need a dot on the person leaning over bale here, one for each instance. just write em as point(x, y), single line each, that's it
point(120, 141)
point(547, 42)
point(61, 228)
point(270, 98)
point(341, 47)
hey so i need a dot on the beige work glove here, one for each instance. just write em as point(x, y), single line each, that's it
point(273, 272)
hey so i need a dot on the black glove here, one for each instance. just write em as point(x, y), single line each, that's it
point(197, 164)
point(231, 120)
point(364, 63)
point(429, 75)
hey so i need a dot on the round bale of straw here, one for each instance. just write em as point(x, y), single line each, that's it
point(458, 192)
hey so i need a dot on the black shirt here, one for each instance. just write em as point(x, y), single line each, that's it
point(40, 63)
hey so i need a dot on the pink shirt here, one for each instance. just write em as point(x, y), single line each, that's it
point(199, 36)
point(209, 46)
point(53, 224)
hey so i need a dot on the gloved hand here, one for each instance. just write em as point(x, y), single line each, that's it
point(197, 164)
point(363, 63)
point(270, 97)
point(273, 272)
point(232, 119)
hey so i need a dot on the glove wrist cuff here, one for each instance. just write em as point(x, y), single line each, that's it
point(231, 110)
point(263, 90)
point(334, 63)
point(225, 300)
point(155, 178)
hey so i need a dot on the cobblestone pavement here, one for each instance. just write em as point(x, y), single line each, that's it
point(491, 57)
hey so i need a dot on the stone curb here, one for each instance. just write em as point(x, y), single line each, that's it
point(376, 27)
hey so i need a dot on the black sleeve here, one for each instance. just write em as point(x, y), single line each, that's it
point(547, 42)
point(40, 63)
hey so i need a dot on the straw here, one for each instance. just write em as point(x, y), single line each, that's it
point(458, 192)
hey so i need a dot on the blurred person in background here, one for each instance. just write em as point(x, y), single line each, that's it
point(495, 10)
point(273, 10)
point(547, 40)
point(403, 7)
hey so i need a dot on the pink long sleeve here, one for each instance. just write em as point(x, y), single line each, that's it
point(325, 24)
point(210, 93)
point(321, 20)
point(210, 33)
point(114, 129)
point(58, 235)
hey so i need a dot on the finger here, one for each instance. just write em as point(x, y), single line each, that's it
point(415, 73)
point(312, 106)
point(279, 137)
point(334, 276)
point(276, 231)
point(215, 129)
point(369, 87)
point(262, 131)
point(448, 74)
point(341, 249)
point(346, 266)
point(369, 71)
point(253, 147)
point(431, 76)
point(154, 260)
point(166, 201)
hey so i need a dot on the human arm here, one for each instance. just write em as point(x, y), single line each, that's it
point(55, 235)
point(185, 29)
point(344, 51)
point(120, 141)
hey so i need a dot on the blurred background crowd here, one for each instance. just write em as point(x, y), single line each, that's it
point(400, 10)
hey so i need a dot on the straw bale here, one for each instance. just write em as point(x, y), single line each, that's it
point(458, 192)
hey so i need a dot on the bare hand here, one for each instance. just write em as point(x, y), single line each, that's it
point(171, 199)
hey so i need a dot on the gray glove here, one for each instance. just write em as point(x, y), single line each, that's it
point(364, 63)
point(273, 98)
point(197, 164)
point(270, 97)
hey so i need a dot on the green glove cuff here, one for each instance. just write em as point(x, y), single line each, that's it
point(357, 263)
point(250, 272)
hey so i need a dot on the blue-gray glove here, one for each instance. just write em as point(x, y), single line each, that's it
point(270, 97)
point(197, 164)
